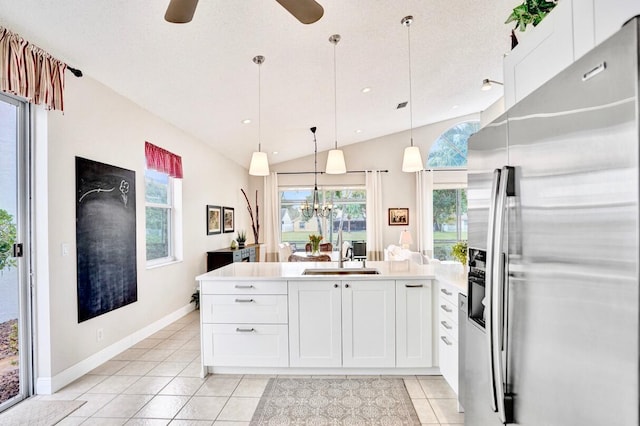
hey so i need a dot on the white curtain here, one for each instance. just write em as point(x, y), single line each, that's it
point(375, 215)
point(424, 216)
point(271, 217)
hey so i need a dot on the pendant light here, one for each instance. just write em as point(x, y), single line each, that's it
point(259, 165)
point(412, 160)
point(335, 160)
point(315, 209)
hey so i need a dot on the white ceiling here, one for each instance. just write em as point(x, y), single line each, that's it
point(200, 76)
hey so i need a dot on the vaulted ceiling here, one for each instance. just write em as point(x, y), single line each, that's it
point(200, 76)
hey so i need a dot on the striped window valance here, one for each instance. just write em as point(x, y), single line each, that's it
point(30, 72)
point(162, 160)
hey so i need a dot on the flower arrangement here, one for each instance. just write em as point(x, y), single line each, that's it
point(315, 242)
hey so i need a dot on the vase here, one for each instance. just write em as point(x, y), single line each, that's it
point(315, 248)
point(240, 244)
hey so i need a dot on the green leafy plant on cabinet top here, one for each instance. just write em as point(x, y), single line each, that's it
point(530, 12)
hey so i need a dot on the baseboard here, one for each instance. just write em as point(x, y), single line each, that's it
point(49, 385)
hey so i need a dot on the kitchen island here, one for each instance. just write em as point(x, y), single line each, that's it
point(315, 318)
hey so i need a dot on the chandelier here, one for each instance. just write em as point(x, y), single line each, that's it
point(315, 209)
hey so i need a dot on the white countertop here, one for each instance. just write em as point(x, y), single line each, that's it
point(289, 270)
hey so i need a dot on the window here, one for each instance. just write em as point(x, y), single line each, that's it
point(449, 152)
point(163, 199)
point(349, 206)
point(449, 220)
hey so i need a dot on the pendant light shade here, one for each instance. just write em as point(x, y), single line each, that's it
point(412, 160)
point(335, 163)
point(335, 160)
point(259, 163)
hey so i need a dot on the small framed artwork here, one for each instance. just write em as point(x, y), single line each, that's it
point(228, 220)
point(399, 216)
point(214, 222)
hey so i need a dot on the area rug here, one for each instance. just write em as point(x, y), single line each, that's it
point(332, 402)
point(34, 412)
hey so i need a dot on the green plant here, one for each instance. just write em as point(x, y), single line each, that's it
point(242, 237)
point(8, 234)
point(459, 252)
point(195, 298)
point(530, 12)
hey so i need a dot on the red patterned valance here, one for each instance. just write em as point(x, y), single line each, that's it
point(30, 72)
point(163, 161)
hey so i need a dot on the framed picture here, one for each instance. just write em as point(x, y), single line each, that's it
point(228, 220)
point(214, 222)
point(399, 216)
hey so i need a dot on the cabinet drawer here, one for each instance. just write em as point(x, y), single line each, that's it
point(448, 355)
point(258, 308)
point(449, 327)
point(448, 310)
point(244, 287)
point(448, 293)
point(245, 345)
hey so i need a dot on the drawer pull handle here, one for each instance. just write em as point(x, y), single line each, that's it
point(244, 300)
point(446, 325)
point(413, 285)
point(445, 340)
point(245, 330)
point(446, 308)
point(448, 293)
point(244, 286)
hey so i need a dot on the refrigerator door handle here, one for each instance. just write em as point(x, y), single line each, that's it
point(498, 303)
point(488, 291)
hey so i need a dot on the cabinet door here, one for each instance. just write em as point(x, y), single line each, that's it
point(368, 324)
point(314, 324)
point(414, 324)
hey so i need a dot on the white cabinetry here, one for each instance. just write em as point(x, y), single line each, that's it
point(244, 323)
point(414, 325)
point(342, 323)
point(315, 329)
point(448, 333)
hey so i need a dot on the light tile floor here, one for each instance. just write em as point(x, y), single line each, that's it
point(156, 382)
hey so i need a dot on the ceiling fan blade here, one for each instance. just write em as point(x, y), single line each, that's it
point(180, 11)
point(305, 11)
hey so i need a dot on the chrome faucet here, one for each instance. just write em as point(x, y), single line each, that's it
point(340, 259)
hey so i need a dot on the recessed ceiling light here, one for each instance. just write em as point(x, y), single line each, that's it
point(358, 131)
point(246, 121)
point(366, 89)
point(275, 152)
point(455, 106)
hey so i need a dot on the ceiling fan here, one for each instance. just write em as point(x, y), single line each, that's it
point(305, 11)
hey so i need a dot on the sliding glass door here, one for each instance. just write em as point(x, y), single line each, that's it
point(15, 335)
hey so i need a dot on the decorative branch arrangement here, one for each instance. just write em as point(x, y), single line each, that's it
point(255, 221)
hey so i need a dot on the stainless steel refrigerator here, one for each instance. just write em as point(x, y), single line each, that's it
point(551, 336)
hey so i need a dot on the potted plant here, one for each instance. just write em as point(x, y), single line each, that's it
point(530, 12)
point(241, 239)
point(195, 298)
point(459, 252)
point(8, 232)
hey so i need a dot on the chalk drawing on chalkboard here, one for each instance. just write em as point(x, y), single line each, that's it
point(105, 238)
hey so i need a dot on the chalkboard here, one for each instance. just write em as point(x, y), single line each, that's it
point(105, 238)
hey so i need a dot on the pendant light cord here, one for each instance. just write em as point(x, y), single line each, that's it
point(410, 89)
point(259, 108)
point(335, 95)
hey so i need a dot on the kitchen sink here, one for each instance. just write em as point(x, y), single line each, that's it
point(341, 271)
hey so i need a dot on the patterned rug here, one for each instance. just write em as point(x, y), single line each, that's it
point(33, 412)
point(332, 402)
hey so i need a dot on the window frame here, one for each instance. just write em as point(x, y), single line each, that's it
point(174, 233)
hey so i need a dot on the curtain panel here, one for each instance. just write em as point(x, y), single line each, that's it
point(162, 160)
point(424, 204)
point(30, 72)
point(272, 217)
point(375, 215)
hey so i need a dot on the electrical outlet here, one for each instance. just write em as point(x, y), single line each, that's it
point(99, 334)
point(65, 249)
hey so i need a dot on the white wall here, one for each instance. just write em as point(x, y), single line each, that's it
point(384, 153)
point(101, 125)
